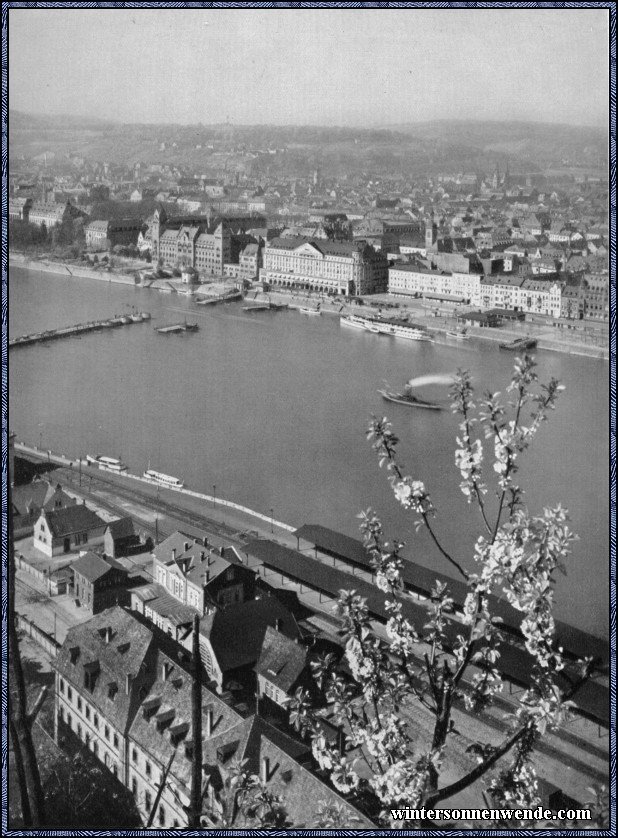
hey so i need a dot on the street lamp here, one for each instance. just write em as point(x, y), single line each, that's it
point(214, 495)
point(272, 520)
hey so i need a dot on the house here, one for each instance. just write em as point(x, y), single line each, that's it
point(231, 638)
point(19, 208)
point(99, 583)
point(120, 538)
point(61, 531)
point(198, 576)
point(52, 214)
point(123, 690)
point(282, 667)
point(29, 501)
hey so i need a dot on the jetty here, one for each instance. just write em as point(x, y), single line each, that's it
point(230, 297)
point(79, 329)
point(174, 328)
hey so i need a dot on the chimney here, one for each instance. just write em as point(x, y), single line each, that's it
point(207, 576)
point(108, 634)
point(265, 770)
point(187, 545)
point(174, 553)
point(129, 680)
point(202, 556)
point(209, 721)
point(210, 559)
point(278, 624)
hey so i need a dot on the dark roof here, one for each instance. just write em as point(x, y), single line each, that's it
point(93, 567)
point(121, 528)
point(72, 519)
point(334, 542)
point(236, 633)
point(282, 660)
point(515, 662)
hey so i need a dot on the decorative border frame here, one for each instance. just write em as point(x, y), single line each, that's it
point(611, 7)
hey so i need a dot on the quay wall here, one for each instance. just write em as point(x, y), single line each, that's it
point(63, 460)
point(63, 269)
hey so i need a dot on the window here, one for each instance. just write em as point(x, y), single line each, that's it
point(148, 769)
point(134, 786)
point(107, 731)
point(95, 749)
point(148, 799)
point(115, 740)
point(61, 685)
point(134, 755)
point(79, 730)
point(161, 816)
point(69, 693)
point(79, 703)
point(96, 721)
point(87, 712)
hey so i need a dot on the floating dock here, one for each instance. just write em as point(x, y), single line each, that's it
point(174, 328)
point(79, 329)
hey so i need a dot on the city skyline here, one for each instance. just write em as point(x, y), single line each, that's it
point(251, 66)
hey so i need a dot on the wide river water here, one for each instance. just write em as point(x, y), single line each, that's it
point(272, 408)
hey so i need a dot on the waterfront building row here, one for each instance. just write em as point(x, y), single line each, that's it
point(534, 295)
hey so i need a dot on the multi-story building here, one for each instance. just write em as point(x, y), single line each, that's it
point(533, 296)
point(103, 235)
point(345, 268)
point(195, 575)
point(19, 209)
point(68, 529)
point(124, 689)
point(595, 293)
point(52, 215)
point(417, 280)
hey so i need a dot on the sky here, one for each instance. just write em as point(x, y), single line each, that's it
point(357, 67)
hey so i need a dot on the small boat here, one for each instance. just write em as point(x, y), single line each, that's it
point(459, 335)
point(191, 327)
point(106, 463)
point(162, 479)
point(310, 311)
point(408, 399)
point(520, 343)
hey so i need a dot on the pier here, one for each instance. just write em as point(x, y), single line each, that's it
point(79, 329)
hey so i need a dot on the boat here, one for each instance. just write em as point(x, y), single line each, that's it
point(405, 330)
point(310, 311)
point(459, 335)
point(354, 321)
point(520, 343)
point(162, 479)
point(191, 327)
point(409, 400)
point(106, 463)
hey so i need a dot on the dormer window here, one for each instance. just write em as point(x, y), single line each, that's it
point(74, 652)
point(91, 672)
point(112, 689)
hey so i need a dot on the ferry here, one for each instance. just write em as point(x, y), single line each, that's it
point(162, 479)
point(354, 321)
point(106, 463)
point(408, 331)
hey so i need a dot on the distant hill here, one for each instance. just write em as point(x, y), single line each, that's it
point(423, 148)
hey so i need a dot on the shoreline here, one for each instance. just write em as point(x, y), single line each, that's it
point(337, 307)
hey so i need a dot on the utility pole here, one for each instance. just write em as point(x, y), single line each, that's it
point(195, 805)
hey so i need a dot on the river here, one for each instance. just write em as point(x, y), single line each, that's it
point(271, 409)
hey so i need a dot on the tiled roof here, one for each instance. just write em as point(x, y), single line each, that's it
point(281, 660)
point(334, 542)
point(236, 633)
point(121, 528)
point(72, 519)
point(93, 567)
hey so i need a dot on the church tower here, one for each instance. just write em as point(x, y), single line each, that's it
point(156, 229)
point(431, 233)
